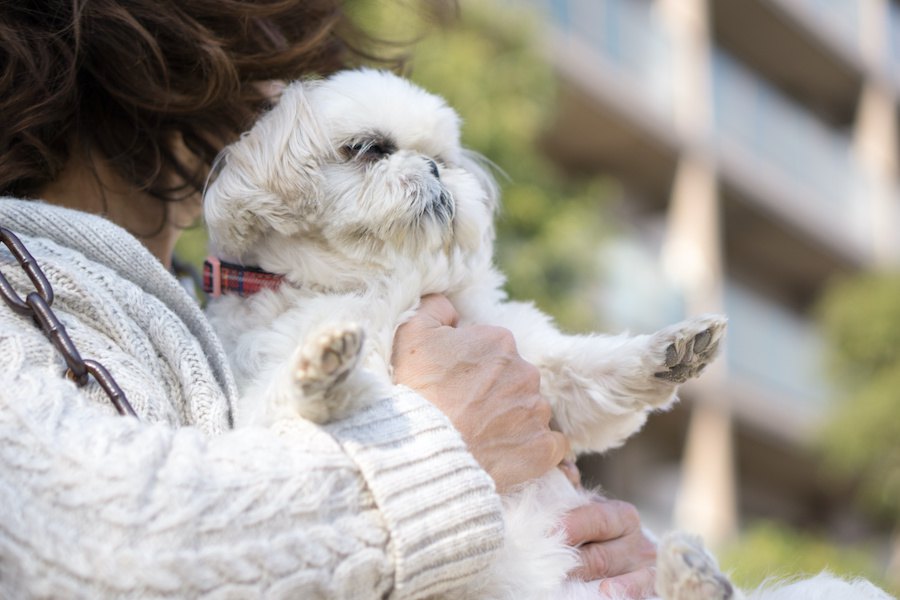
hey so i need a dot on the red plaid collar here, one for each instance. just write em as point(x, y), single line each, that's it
point(220, 277)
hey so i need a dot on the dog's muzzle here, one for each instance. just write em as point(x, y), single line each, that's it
point(442, 207)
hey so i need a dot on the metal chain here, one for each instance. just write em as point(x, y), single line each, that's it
point(37, 306)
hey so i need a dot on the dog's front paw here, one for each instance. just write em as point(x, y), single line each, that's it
point(686, 571)
point(327, 358)
point(683, 350)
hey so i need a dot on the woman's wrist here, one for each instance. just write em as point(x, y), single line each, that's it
point(439, 506)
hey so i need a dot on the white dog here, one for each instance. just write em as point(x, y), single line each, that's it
point(355, 191)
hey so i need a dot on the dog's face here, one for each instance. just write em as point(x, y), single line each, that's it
point(355, 171)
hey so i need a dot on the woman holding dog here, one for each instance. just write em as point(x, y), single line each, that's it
point(119, 109)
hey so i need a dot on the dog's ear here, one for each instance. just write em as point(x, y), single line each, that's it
point(270, 179)
point(482, 169)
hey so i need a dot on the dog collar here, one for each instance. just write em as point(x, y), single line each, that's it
point(220, 277)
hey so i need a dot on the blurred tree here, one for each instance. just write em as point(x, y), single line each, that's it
point(486, 64)
point(861, 317)
point(770, 550)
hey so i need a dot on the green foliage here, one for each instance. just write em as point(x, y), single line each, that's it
point(771, 551)
point(192, 246)
point(487, 66)
point(861, 319)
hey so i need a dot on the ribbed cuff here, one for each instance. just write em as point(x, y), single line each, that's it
point(441, 509)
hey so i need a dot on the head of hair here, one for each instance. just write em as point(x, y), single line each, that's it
point(132, 81)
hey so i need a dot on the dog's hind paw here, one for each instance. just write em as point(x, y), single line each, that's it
point(327, 358)
point(683, 350)
point(686, 571)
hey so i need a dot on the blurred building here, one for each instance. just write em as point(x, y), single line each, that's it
point(757, 146)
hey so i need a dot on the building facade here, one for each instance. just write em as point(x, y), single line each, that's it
point(756, 142)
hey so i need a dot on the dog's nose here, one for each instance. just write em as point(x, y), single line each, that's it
point(434, 169)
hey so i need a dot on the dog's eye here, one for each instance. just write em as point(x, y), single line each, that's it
point(369, 151)
point(376, 151)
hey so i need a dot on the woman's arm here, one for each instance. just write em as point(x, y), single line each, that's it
point(388, 503)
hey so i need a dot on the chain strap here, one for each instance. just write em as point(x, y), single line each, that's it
point(37, 306)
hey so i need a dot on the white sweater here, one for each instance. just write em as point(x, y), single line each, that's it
point(388, 503)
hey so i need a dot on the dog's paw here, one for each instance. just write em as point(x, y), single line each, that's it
point(683, 350)
point(327, 358)
point(686, 571)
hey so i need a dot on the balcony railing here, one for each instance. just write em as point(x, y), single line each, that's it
point(840, 17)
point(626, 36)
point(779, 138)
point(893, 25)
point(778, 351)
point(783, 140)
point(775, 348)
point(635, 293)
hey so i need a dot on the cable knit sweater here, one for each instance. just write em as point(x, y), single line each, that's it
point(387, 503)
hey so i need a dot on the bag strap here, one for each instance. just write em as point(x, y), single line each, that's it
point(37, 305)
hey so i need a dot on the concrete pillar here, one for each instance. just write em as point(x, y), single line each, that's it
point(876, 132)
point(875, 147)
point(875, 144)
point(706, 502)
point(875, 137)
point(687, 22)
point(692, 256)
point(873, 33)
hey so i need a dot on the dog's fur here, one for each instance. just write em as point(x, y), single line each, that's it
point(357, 190)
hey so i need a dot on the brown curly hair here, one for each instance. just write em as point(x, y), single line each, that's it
point(123, 79)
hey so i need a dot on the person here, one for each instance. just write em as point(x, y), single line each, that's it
point(112, 115)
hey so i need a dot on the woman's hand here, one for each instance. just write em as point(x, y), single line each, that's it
point(491, 394)
point(613, 547)
point(477, 378)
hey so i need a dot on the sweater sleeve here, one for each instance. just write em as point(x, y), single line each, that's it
point(386, 504)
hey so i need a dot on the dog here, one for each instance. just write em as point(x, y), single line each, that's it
point(355, 196)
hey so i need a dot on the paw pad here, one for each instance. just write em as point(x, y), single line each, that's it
point(328, 357)
point(685, 571)
point(688, 347)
